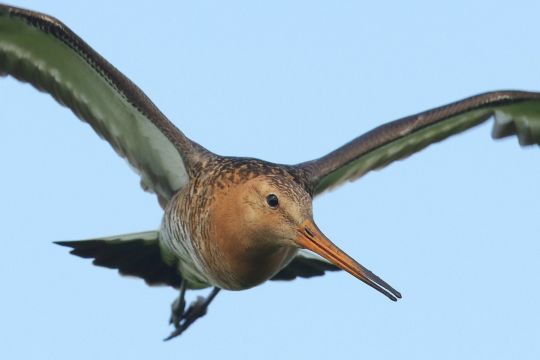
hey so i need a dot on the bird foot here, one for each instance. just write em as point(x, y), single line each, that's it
point(183, 319)
point(177, 311)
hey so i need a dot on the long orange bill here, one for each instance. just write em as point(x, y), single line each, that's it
point(311, 238)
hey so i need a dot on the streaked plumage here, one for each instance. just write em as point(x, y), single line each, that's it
point(188, 179)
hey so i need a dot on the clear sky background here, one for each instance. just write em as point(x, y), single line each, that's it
point(455, 228)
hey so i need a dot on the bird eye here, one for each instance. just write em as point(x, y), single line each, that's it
point(272, 201)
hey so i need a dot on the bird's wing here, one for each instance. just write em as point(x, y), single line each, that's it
point(305, 264)
point(42, 51)
point(514, 112)
point(135, 254)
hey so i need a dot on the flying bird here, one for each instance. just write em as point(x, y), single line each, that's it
point(229, 222)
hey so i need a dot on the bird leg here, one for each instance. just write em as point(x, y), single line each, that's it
point(178, 306)
point(181, 318)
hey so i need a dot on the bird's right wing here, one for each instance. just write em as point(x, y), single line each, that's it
point(42, 51)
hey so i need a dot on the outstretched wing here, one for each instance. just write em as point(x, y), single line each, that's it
point(305, 265)
point(40, 50)
point(135, 254)
point(515, 113)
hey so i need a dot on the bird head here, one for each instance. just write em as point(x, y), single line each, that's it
point(276, 212)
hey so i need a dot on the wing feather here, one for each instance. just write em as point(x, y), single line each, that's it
point(135, 254)
point(42, 51)
point(515, 113)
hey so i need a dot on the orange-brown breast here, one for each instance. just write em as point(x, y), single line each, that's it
point(207, 219)
point(242, 257)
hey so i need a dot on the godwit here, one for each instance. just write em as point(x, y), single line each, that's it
point(229, 222)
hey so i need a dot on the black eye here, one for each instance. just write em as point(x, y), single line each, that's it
point(272, 201)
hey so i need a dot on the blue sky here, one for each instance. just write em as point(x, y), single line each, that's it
point(455, 228)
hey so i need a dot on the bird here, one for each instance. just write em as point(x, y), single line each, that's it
point(229, 222)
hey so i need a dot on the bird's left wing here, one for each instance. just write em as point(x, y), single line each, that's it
point(305, 264)
point(515, 113)
point(42, 51)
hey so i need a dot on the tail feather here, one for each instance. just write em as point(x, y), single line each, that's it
point(137, 254)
